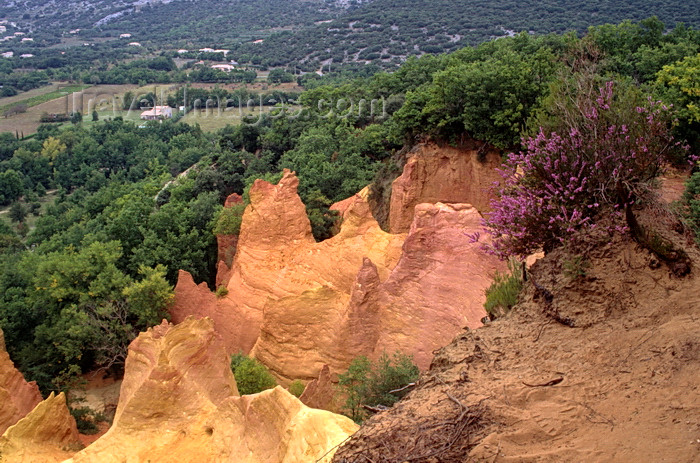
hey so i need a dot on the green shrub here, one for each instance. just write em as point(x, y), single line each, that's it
point(229, 220)
point(575, 267)
point(221, 291)
point(367, 383)
point(251, 376)
point(87, 419)
point(502, 295)
point(691, 203)
point(296, 388)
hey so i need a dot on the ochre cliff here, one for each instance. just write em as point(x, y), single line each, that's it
point(179, 403)
point(279, 264)
point(298, 305)
point(442, 174)
point(436, 289)
point(17, 396)
point(47, 434)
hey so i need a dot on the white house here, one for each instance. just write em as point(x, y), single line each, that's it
point(225, 52)
point(223, 67)
point(134, 44)
point(27, 39)
point(26, 55)
point(157, 112)
point(124, 36)
point(8, 54)
point(182, 51)
point(207, 50)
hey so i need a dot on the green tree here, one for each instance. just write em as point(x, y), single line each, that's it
point(18, 212)
point(691, 201)
point(11, 186)
point(490, 98)
point(279, 76)
point(682, 82)
point(150, 298)
point(376, 383)
point(354, 384)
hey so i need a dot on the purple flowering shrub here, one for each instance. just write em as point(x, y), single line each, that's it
point(601, 160)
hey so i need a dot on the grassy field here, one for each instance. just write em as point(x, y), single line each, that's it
point(59, 92)
point(100, 96)
point(107, 100)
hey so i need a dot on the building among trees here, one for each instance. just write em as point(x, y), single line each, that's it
point(157, 112)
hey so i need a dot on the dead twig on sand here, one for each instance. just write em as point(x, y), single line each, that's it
point(407, 386)
point(333, 448)
point(553, 382)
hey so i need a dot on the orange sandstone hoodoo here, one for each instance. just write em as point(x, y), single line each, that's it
point(298, 305)
point(179, 403)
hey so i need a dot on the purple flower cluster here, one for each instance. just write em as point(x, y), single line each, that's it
point(602, 161)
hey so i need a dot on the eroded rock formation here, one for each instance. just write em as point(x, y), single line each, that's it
point(278, 264)
point(47, 434)
point(298, 305)
point(17, 396)
point(179, 403)
point(442, 174)
point(320, 392)
point(226, 247)
point(436, 289)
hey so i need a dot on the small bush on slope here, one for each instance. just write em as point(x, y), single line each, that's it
point(503, 293)
point(597, 159)
point(296, 388)
point(367, 383)
point(691, 200)
point(251, 376)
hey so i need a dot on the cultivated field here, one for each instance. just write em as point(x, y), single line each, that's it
point(100, 96)
point(108, 101)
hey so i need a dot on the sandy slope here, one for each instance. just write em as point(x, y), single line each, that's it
point(627, 374)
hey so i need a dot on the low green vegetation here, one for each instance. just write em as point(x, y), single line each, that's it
point(503, 293)
point(691, 202)
point(87, 419)
point(251, 375)
point(228, 221)
point(375, 384)
point(575, 267)
point(296, 388)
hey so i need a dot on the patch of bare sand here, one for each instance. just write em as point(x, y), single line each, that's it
point(100, 394)
point(618, 382)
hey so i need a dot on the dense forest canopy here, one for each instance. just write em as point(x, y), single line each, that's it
point(102, 217)
point(70, 40)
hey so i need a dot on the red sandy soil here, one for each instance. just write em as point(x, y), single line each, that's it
point(596, 366)
point(673, 186)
